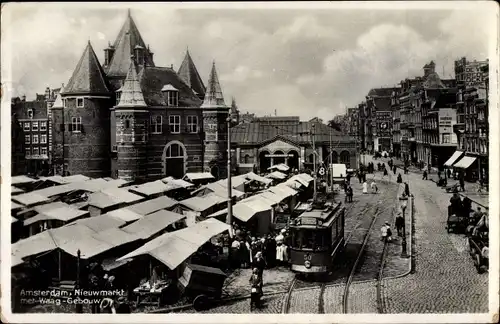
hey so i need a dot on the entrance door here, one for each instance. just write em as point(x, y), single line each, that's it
point(293, 161)
point(175, 160)
point(279, 160)
point(264, 162)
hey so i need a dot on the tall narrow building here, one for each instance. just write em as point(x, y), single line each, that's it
point(215, 114)
point(83, 123)
point(189, 74)
point(131, 117)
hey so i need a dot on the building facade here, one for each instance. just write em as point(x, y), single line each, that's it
point(273, 140)
point(131, 119)
point(31, 134)
point(378, 119)
point(396, 125)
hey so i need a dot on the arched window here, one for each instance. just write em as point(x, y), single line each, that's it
point(335, 157)
point(174, 150)
point(344, 157)
point(247, 159)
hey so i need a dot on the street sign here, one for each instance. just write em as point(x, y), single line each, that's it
point(321, 171)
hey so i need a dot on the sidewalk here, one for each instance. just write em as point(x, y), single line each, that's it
point(471, 188)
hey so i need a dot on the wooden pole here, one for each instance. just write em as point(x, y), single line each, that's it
point(78, 307)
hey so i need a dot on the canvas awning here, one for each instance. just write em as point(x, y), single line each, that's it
point(153, 188)
point(280, 167)
point(245, 211)
point(125, 214)
point(153, 223)
point(190, 176)
point(101, 222)
point(15, 190)
point(201, 204)
point(178, 182)
point(30, 198)
point(254, 177)
point(64, 214)
point(465, 162)
point(276, 175)
point(174, 248)
point(152, 205)
point(21, 179)
point(454, 158)
point(300, 179)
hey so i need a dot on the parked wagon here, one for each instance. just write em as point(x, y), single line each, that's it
point(479, 251)
point(456, 223)
point(202, 285)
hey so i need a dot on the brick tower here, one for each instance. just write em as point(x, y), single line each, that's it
point(215, 114)
point(131, 128)
point(82, 124)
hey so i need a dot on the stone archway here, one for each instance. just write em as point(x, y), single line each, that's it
point(293, 161)
point(278, 160)
point(345, 158)
point(174, 159)
point(335, 157)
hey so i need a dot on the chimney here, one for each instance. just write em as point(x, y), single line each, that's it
point(47, 93)
point(139, 55)
point(23, 98)
point(108, 54)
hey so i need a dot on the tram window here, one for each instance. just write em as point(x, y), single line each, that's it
point(308, 240)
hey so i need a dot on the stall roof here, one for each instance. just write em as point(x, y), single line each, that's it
point(201, 204)
point(116, 236)
point(153, 188)
point(453, 158)
point(102, 200)
point(190, 176)
point(116, 182)
point(21, 179)
point(101, 222)
point(125, 214)
point(293, 183)
point(219, 188)
point(465, 162)
point(300, 179)
point(14, 205)
point(258, 178)
point(13, 219)
point(76, 178)
point(244, 211)
point(56, 179)
point(153, 223)
point(280, 167)
point(112, 196)
point(276, 175)
point(178, 182)
point(283, 190)
point(150, 206)
point(15, 190)
point(269, 195)
point(174, 248)
point(306, 177)
point(64, 214)
point(30, 198)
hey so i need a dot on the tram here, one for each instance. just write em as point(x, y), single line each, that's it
point(317, 236)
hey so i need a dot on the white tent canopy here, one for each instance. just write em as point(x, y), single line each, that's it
point(465, 162)
point(453, 158)
point(279, 167)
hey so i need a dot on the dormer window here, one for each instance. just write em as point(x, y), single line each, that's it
point(79, 102)
point(171, 94)
point(30, 113)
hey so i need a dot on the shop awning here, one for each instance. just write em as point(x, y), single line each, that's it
point(453, 158)
point(465, 162)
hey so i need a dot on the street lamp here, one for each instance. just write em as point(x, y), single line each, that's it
point(229, 185)
point(404, 253)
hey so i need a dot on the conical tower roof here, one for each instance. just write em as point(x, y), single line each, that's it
point(213, 95)
point(189, 74)
point(127, 40)
point(131, 93)
point(88, 76)
point(58, 102)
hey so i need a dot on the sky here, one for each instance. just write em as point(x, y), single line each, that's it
point(307, 62)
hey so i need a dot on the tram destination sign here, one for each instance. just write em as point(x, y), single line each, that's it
point(308, 221)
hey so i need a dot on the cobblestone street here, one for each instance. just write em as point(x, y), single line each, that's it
point(444, 278)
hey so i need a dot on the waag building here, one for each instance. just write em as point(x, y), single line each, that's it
point(128, 118)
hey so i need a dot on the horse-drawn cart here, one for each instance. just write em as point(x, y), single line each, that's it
point(478, 249)
point(456, 223)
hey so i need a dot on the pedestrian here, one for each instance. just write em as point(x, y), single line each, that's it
point(281, 252)
point(424, 177)
point(256, 288)
point(389, 233)
point(385, 172)
point(349, 194)
point(365, 187)
point(394, 169)
point(407, 189)
point(462, 183)
point(405, 170)
point(249, 254)
point(400, 179)
point(235, 256)
point(270, 252)
point(439, 174)
point(374, 187)
point(259, 263)
point(449, 173)
point(399, 224)
point(364, 176)
point(456, 204)
point(383, 231)
point(348, 178)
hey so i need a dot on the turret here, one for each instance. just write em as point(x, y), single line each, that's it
point(131, 118)
point(215, 114)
